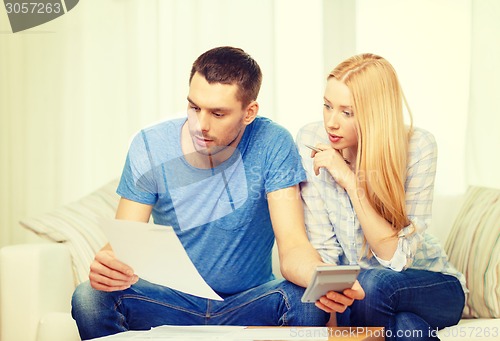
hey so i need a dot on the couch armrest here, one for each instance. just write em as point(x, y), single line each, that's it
point(34, 279)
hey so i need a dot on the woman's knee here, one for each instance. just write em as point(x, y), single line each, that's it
point(409, 326)
point(379, 303)
point(377, 282)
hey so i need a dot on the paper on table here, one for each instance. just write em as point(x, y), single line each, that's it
point(199, 332)
point(177, 333)
point(282, 333)
point(238, 333)
point(225, 333)
point(156, 255)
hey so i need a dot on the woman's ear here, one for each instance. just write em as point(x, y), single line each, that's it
point(251, 112)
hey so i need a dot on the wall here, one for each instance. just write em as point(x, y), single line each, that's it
point(483, 122)
point(428, 43)
point(74, 91)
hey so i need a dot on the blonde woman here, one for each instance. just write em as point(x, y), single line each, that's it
point(368, 199)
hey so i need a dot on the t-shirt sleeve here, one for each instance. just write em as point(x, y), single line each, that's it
point(282, 167)
point(138, 181)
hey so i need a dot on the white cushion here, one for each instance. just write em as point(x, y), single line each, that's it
point(473, 246)
point(472, 329)
point(76, 225)
point(57, 327)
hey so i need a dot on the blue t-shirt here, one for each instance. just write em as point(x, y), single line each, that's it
point(220, 215)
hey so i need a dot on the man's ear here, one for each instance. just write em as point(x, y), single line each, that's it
point(251, 112)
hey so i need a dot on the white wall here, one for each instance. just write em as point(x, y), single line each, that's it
point(339, 28)
point(483, 124)
point(73, 91)
point(298, 72)
point(428, 43)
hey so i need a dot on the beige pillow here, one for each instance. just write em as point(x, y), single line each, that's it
point(76, 225)
point(473, 247)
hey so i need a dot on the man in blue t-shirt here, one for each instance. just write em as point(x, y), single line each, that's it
point(227, 181)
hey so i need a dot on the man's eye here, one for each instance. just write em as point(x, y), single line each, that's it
point(192, 107)
point(327, 106)
point(216, 114)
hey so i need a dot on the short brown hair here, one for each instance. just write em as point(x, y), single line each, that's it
point(230, 65)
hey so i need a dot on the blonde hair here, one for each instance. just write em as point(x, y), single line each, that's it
point(377, 100)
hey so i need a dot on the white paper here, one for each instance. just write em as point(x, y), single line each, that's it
point(156, 255)
point(226, 333)
point(282, 333)
point(135, 335)
point(194, 332)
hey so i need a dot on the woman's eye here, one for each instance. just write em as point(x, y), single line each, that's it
point(327, 106)
point(347, 113)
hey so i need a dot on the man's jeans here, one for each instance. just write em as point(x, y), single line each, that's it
point(146, 305)
point(411, 304)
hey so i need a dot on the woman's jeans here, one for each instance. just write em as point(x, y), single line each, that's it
point(146, 305)
point(410, 305)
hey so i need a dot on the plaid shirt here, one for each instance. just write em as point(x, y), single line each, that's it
point(333, 227)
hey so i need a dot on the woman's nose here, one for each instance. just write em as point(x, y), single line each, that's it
point(333, 120)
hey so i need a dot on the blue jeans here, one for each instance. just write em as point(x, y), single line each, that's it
point(146, 305)
point(410, 305)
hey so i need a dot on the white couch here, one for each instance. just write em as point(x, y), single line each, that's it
point(37, 280)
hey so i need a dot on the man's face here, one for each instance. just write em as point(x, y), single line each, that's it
point(216, 119)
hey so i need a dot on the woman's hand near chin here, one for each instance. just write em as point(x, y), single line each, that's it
point(333, 161)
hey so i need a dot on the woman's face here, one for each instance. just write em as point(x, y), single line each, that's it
point(338, 116)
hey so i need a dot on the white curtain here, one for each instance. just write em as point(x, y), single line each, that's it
point(483, 124)
point(428, 42)
point(74, 90)
point(447, 54)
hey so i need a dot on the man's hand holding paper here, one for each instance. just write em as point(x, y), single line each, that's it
point(157, 257)
point(107, 273)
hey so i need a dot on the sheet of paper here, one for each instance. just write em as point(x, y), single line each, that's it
point(282, 333)
point(195, 332)
point(134, 335)
point(156, 255)
point(226, 333)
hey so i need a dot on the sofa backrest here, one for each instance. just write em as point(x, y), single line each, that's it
point(473, 247)
point(76, 225)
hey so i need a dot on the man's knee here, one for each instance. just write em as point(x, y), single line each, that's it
point(301, 314)
point(81, 295)
point(85, 300)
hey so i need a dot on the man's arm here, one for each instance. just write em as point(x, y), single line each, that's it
point(298, 258)
point(106, 272)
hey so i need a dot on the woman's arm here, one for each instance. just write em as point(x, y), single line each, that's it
point(378, 231)
point(319, 229)
point(396, 252)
